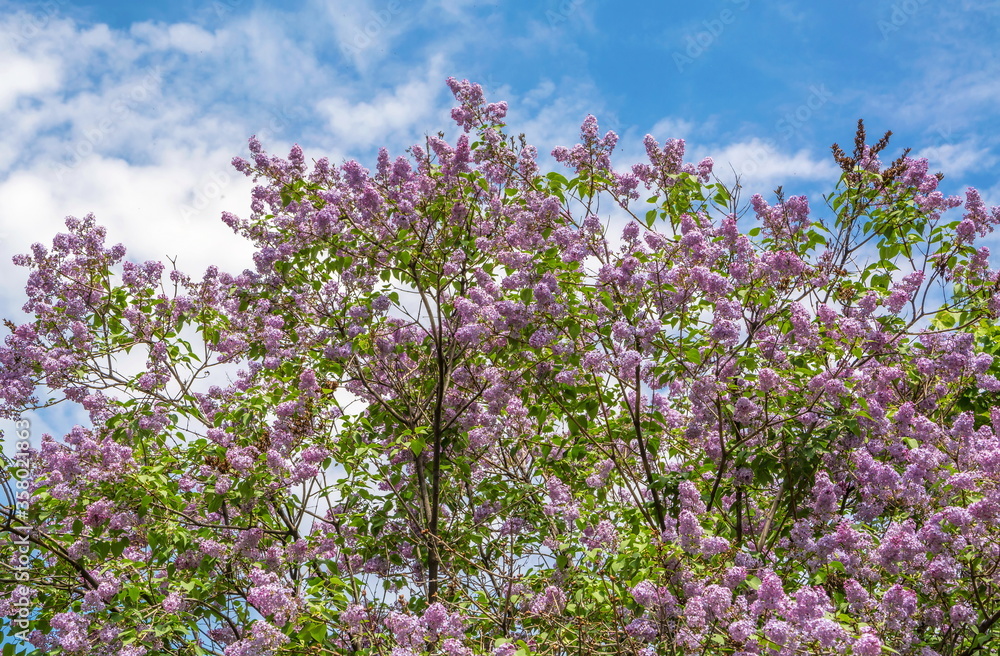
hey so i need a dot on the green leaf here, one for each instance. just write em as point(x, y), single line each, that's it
point(317, 632)
point(118, 547)
point(558, 178)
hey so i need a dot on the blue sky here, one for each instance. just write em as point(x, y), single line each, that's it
point(133, 111)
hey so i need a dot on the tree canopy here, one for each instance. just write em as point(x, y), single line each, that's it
point(464, 406)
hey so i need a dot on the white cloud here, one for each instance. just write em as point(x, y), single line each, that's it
point(365, 31)
point(26, 76)
point(991, 196)
point(170, 209)
point(953, 69)
point(183, 37)
point(191, 38)
point(551, 113)
point(399, 114)
point(761, 166)
point(955, 160)
point(672, 128)
point(139, 126)
point(138, 145)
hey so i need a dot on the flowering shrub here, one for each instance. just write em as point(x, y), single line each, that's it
point(470, 417)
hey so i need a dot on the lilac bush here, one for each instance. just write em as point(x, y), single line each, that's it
point(454, 411)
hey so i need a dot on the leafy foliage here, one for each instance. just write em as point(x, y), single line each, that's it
point(469, 418)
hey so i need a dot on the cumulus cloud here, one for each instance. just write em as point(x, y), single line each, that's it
point(139, 125)
point(396, 114)
point(764, 164)
point(956, 159)
point(26, 76)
